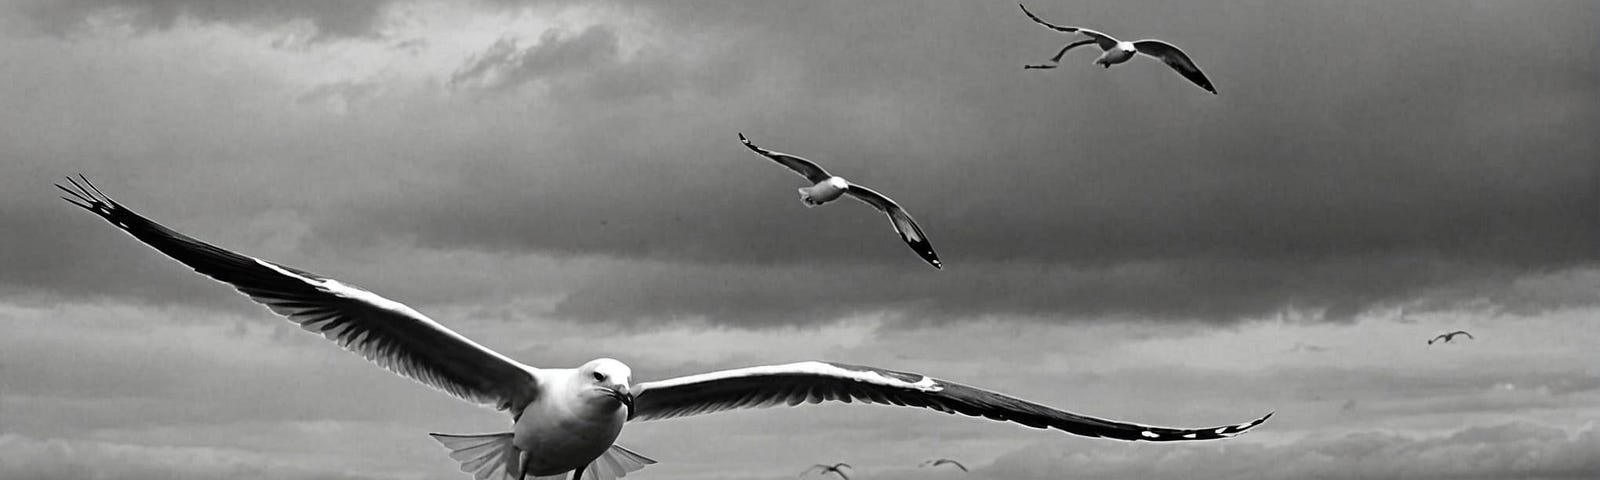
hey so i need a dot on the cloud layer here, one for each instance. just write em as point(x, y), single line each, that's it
point(563, 180)
point(1367, 179)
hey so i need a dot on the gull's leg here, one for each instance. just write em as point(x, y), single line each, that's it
point(522, 464)
point(578, 474)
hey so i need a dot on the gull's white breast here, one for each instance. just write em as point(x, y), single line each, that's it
point(824, 191)
point(561, 432)
point(1118, 54)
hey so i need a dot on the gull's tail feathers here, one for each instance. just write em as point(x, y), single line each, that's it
point(805, 198)
point(486, 457)
point(616, 463)
point(492, 457)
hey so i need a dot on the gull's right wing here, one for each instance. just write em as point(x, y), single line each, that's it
point(805, 168)
point(1104, 41)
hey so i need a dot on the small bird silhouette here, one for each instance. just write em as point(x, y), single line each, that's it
point(825, 469)
point(1450, 336)
point(943, 461)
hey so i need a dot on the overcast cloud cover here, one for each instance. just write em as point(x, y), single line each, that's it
point(539, 174)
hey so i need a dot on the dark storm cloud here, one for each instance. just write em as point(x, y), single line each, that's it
point(1418, 156)
point(1360, 156)
point(331, 19)
point(1341, 167)
point(1195, 290)
point(1506, 451)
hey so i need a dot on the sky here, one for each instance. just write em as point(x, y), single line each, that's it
point(562, 181)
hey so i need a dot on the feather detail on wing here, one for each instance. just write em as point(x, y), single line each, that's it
point(901, 220)
point(1069, 46)
point(1176, 59)
point(815, 382)
point(806, 168)
point(386, 332)
point(1105, 42)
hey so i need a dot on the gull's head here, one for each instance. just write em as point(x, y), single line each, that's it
point(608, 381)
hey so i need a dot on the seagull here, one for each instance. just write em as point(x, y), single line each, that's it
point(835, 468)
point(1117, 51)
point(1447, 337)
point(568, 419)
point(943, 461)
point(827, 187)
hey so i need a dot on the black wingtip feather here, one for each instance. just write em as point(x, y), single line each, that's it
point(89, 197)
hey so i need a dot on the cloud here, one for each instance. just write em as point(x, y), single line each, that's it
point(25, 458)
point(1516, 450)
point(171, 377)
point(504, 65)
point(339, 97)
point(343, 18)
point(604, 136)
point(1207, 291)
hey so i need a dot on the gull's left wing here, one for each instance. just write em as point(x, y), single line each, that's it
point(1176, 59)
point(815, 382)
point(835, 468)
point(902, 221)
point(384, 331)
point(1070, 46)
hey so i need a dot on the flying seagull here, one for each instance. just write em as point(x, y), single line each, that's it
point(1117, 51)
point(827, 187)
point(1447, 337)
point(943, 461)
point(824, 469)
point(567, 419)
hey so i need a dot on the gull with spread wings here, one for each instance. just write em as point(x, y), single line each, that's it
point(826, 469)
point(1447, 337)
point(827, 187)
point(943, 461)
point(1117, 51)
point(568, 419)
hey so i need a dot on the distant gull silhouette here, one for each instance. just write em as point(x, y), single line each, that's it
point(1117, 51)
point(567, 419)
point(828, 187)
point(943, 461)
point(835, 468)
point(1447, 337)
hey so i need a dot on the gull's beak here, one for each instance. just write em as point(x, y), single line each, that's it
point(623, 395)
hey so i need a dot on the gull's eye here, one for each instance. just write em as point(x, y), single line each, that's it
point(599, 376)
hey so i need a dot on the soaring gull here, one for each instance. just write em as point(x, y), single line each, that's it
point(1447, 337)
point(568, 419)
point(943, 461)
point(1117, 51)
point(827, 187)
point(825, 469)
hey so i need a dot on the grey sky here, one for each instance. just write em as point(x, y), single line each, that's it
point(533, 174)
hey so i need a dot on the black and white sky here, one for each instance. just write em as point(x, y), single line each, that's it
point(562, 180)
